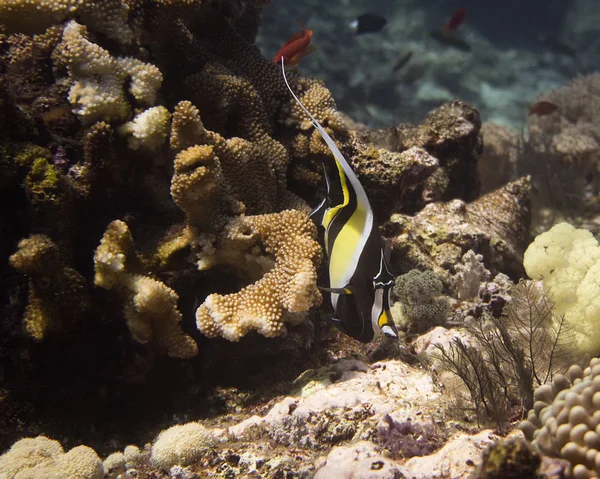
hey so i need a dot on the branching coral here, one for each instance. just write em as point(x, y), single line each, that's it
point(98, 91)
point(34, 16)
point(149, 129)
point(150, 305)
point(251, 170)
point(199, 188)
point(58, 295)
point(290, 287)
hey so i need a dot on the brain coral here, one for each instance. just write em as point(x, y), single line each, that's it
point(567, 260)
point(34, 458)
point(181, 445)
point(290, 287)
point(565, 419)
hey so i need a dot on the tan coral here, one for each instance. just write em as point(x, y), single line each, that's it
point(241, 108)
point(34, 16)
point(290, 287)
point(307, 146)
point(199, 189)
point(58, 295)
point(564, 420)
point(150, 306)
point(252, 170)
point(318, 100)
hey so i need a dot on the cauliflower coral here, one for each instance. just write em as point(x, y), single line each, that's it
point(567, 260)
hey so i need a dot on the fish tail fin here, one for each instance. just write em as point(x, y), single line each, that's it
point(387, 326)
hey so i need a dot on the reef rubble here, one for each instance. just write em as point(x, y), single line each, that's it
point(162, 271)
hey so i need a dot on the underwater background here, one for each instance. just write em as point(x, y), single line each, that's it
point(299, 239)
point(511, 62)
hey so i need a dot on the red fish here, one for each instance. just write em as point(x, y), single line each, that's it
point(296, 47)
point(542, 108)
point(455, 20)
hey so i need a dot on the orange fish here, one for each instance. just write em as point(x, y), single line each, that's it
point(455, 20)
point(542, 108)
point(296, 47)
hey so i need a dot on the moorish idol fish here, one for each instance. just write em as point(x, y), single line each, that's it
point(359, 279)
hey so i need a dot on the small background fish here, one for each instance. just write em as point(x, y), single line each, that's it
point(368, 23)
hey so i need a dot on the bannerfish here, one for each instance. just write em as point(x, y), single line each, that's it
point(456, 20)
point(359, 278)
point(542, 108)
point(450, 40)
point(296, 47)
point(368, 23)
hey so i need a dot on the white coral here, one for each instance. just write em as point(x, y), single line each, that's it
point(99, 79)
point(149, 129)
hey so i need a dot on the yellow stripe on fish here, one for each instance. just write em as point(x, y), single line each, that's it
point(359, 278)
point(346, 247)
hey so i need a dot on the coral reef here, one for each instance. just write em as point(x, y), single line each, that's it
point(494, 225)
point(498, 163)
point(161, 121)
point(450, 133)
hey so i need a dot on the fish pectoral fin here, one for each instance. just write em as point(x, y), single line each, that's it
point(345, 290)
point(338, 324)
point(296, 58)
